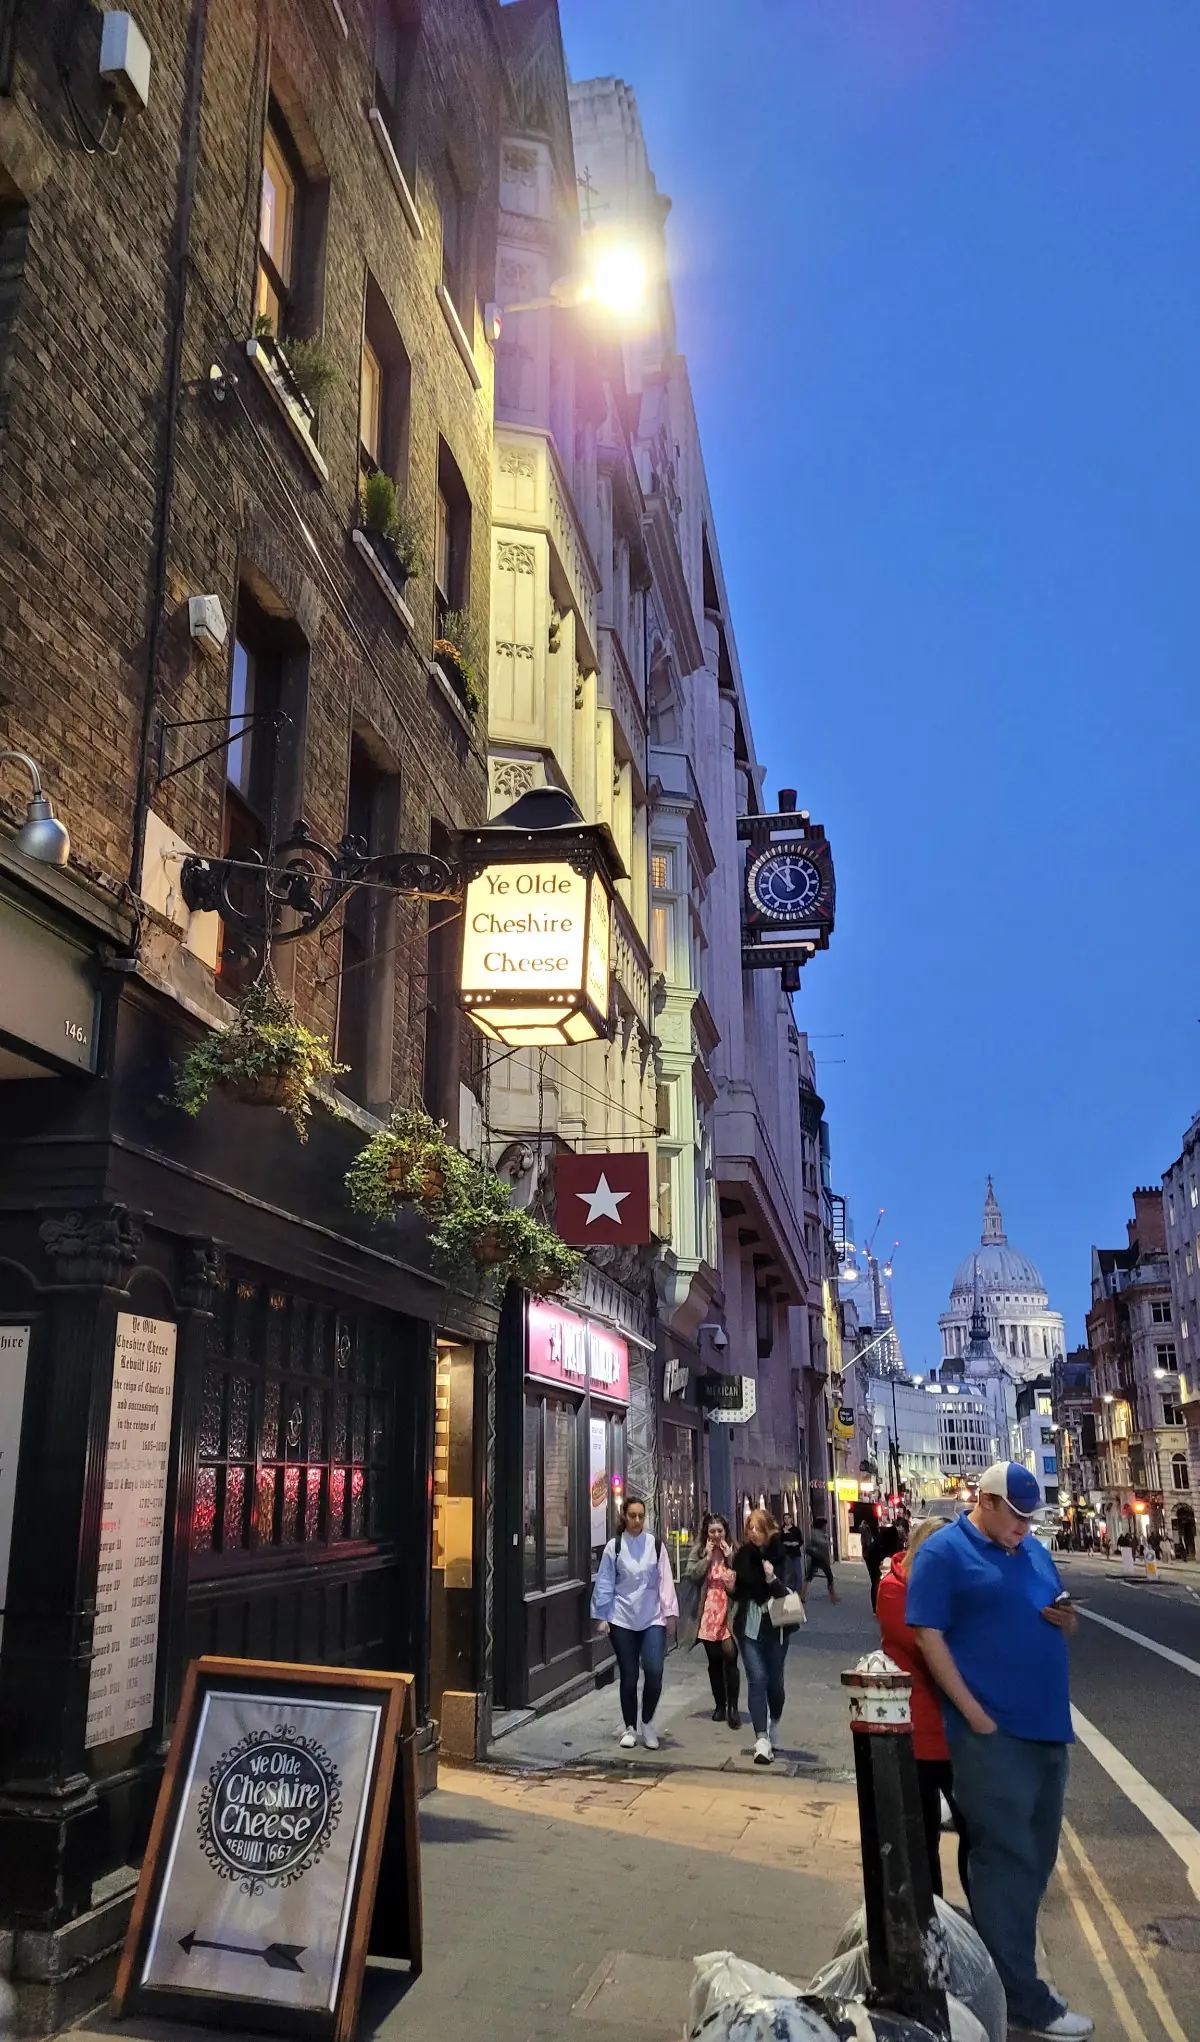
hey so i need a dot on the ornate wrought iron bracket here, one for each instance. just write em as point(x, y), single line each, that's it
point(305, 883)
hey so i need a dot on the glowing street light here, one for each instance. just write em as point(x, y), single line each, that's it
point(615, 278)
point(617, 281)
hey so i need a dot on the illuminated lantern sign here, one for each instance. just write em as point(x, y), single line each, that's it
point(537, 924)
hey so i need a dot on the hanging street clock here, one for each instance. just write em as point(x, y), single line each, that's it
point(788, 895)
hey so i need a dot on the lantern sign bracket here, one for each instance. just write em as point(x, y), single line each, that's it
point(306, 880)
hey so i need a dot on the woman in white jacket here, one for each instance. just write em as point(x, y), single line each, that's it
point(634, 1601)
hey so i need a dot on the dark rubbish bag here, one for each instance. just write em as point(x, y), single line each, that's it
point(960, 1965)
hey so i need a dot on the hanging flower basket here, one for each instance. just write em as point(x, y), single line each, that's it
point(409, 1162)
point(265, 1057)
point(476, 1234)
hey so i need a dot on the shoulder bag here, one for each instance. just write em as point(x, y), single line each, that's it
point(787, 1612)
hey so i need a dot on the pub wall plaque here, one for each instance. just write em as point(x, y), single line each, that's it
point(129, 1580)
point(14, 1359)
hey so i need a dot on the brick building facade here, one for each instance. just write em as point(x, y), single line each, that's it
point(320, 173)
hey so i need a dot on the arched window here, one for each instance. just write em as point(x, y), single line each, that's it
point(1179, 1472)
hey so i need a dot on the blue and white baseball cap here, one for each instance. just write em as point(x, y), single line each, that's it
point(1015, 1484)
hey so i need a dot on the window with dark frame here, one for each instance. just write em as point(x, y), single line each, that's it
point(296, 1429)
point(451, 540)
point(366, 978)
point(454, 238)
point(397, 70)
point(251, 767)
point(440, 1059)
point(279, 225)
point(385, 392)
point(550, 1531)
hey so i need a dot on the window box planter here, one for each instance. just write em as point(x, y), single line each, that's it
point(449, 683)
point(383, 564)
point(270, 359)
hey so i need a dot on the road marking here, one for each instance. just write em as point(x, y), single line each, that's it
point(1140, 1638)
point(1116, 1991)
point(1174, 1828)
point(1154, 1991)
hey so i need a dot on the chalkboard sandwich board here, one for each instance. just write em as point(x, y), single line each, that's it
point(284, 1850)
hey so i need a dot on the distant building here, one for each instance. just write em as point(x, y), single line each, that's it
point(1035, 1437)
point(1072, 1395)
point(1027, 1335)
point(966, 1430)
point(1181, 1210)
point(1141, 1440)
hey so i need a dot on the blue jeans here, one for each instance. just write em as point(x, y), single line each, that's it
point(644, 1650)
point(764, 1657)
point(1010, 1791)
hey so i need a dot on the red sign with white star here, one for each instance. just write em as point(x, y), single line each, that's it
point(603, 1199)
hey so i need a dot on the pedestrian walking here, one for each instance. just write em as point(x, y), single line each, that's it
point(818, 1557)
point(884, 1546)
point(991, 1618)
point(634, 1601)
point(760, 1580)
point(930, 1748)
point(711, 1569)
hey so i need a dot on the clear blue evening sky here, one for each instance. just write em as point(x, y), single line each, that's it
point(937, 271)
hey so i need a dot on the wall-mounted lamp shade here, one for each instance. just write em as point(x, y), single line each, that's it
point(41, 836)
point(537, 924)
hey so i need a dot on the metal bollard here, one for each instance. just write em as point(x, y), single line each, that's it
point(903, 1935)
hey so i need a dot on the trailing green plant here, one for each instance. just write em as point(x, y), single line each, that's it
point(410, 1161)
point(385, 515)
point(314, 369)
point(458, 648)
point(486, 1235)
point(265, 1057)
point(476, 1232)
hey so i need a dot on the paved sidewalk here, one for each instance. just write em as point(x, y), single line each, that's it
point(569, 1885)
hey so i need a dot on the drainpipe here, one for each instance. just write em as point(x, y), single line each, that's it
point(181, 240)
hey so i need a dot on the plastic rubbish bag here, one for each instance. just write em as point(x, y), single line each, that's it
point(719, 1976)
point(960, 1964)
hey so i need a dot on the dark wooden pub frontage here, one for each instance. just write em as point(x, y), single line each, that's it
point(293, 1436)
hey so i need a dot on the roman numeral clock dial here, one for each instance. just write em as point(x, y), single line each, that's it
point(784, 885)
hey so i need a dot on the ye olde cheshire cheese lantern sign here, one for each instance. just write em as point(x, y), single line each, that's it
point(536, 889)
point(537, 923)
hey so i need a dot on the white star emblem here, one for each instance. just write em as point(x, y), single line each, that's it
point(603, 1203)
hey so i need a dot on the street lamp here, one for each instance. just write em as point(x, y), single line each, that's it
point(615, 278)
point(41, 836)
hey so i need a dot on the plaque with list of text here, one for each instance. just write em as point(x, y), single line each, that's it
point(125, 1637)
point(14, 1355)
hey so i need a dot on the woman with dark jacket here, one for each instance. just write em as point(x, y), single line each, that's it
point(710, 1571)
point(759, 1576)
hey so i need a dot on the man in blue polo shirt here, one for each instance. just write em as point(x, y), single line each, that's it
point(992, 1617)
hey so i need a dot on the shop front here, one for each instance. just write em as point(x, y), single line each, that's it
point(233, 1419)
point(683, 1482)
point(561, 1458)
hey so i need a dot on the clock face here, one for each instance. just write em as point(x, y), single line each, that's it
point(784, 884)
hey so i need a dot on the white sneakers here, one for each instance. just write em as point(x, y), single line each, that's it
point(773, 1733)
point(649, 1737)
point(1066, 2027)
point(1070, 2026)
point(628, 1739)
point(763, 1753)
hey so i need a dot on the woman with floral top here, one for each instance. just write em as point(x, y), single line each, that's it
point(711, 1569)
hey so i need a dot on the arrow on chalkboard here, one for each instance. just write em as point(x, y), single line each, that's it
point(279, 1956)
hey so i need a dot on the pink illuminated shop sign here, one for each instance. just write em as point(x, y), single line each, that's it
point(563, 1348)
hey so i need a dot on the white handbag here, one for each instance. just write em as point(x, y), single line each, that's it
point(787, 1612)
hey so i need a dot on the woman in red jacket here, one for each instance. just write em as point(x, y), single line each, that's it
point(930, 1748)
